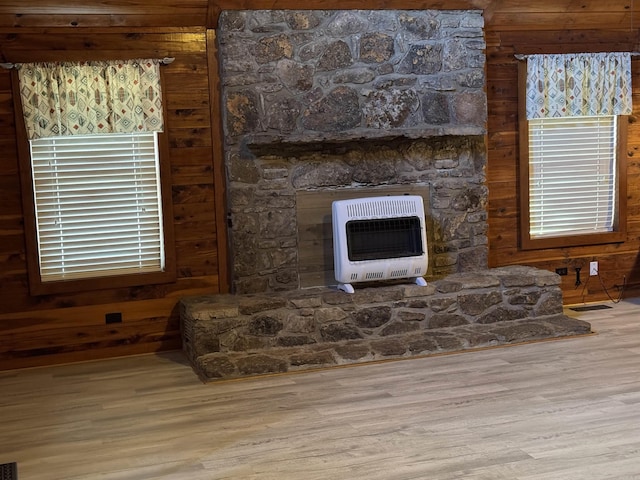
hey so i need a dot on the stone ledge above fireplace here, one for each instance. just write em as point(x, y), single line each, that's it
point(266, 144)
point(229, 336)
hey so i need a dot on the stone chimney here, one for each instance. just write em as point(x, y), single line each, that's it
point(330, 102)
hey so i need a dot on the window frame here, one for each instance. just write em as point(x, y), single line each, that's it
point(36, 285)
point(619, 232)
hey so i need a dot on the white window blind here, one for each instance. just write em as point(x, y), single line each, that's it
point(572, 175)
point(98, 208)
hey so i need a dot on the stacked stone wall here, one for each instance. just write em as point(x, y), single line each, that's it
point(329, 100)
point(229, 336)
point(296, 76)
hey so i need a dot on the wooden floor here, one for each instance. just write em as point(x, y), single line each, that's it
point(566, 409)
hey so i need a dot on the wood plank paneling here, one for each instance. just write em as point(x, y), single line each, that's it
point(77, 13)
point(535, 27)
point(44, 30)
point(68, 327)
point(128, 7)
point(532, 21)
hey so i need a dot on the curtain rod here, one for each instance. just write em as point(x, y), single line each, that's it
point(163, 61)
point(521, 56)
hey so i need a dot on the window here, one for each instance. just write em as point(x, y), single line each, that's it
point(94, 175)
point(99, 218)
point(97, 205)
point(572, 180)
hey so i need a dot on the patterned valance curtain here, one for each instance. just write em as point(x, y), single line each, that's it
point(83, 98)
point(579, 84)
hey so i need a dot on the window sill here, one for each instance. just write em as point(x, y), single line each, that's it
point(573, 240)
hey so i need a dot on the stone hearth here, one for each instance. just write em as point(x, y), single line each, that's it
point(230, 336)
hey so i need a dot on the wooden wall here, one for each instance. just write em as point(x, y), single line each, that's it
point(557, 27)
point(62, 328)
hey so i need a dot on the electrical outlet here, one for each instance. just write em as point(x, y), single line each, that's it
point(593, 268)
point(562, 271)
point(115, 317)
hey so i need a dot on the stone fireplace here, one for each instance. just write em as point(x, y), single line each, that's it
point(322, 105)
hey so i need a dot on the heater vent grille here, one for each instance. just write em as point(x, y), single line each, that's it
point(372, 239)
point(9, 471)
point(382, 207)
point(374, 275)
point(399, 273)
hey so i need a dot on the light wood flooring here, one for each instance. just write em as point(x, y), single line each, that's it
point(566, 409)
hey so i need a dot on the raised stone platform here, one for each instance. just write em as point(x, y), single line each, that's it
point(229, 336)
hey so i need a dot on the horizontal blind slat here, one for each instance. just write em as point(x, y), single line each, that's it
point(572, 175)
point(97, 205)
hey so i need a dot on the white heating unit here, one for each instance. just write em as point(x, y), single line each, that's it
point(379, 238)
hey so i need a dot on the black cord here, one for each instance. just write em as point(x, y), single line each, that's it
point(584, 288)
point(624, 284)
point(618, 300)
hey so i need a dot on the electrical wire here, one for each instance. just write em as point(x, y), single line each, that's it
point(618, 300)
point(584, 287)
point(624, 284)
